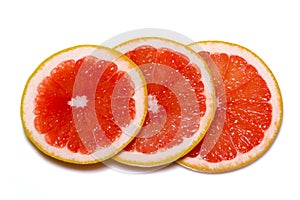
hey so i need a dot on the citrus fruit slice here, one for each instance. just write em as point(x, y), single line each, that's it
point(84, 104)
point(181, 101)
point(251, 107)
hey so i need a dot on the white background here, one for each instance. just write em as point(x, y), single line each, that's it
point(32, 30)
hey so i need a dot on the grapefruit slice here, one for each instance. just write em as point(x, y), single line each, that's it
point(181, 101)
point(249, 110)
point(84, 104)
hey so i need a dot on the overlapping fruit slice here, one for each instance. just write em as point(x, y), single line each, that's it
point(181, 101)
point(249, 111)
point(84, 104)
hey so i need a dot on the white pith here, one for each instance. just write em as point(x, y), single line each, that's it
point(240, 160)
point(78, 102)
point(153, 104)
point(76, 53)
point(171, 154)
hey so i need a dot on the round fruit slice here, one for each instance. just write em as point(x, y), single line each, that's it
point(84, 104)
point(181, 101)
point(251, 107)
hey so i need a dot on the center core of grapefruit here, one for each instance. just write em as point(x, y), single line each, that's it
point(78, 102)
